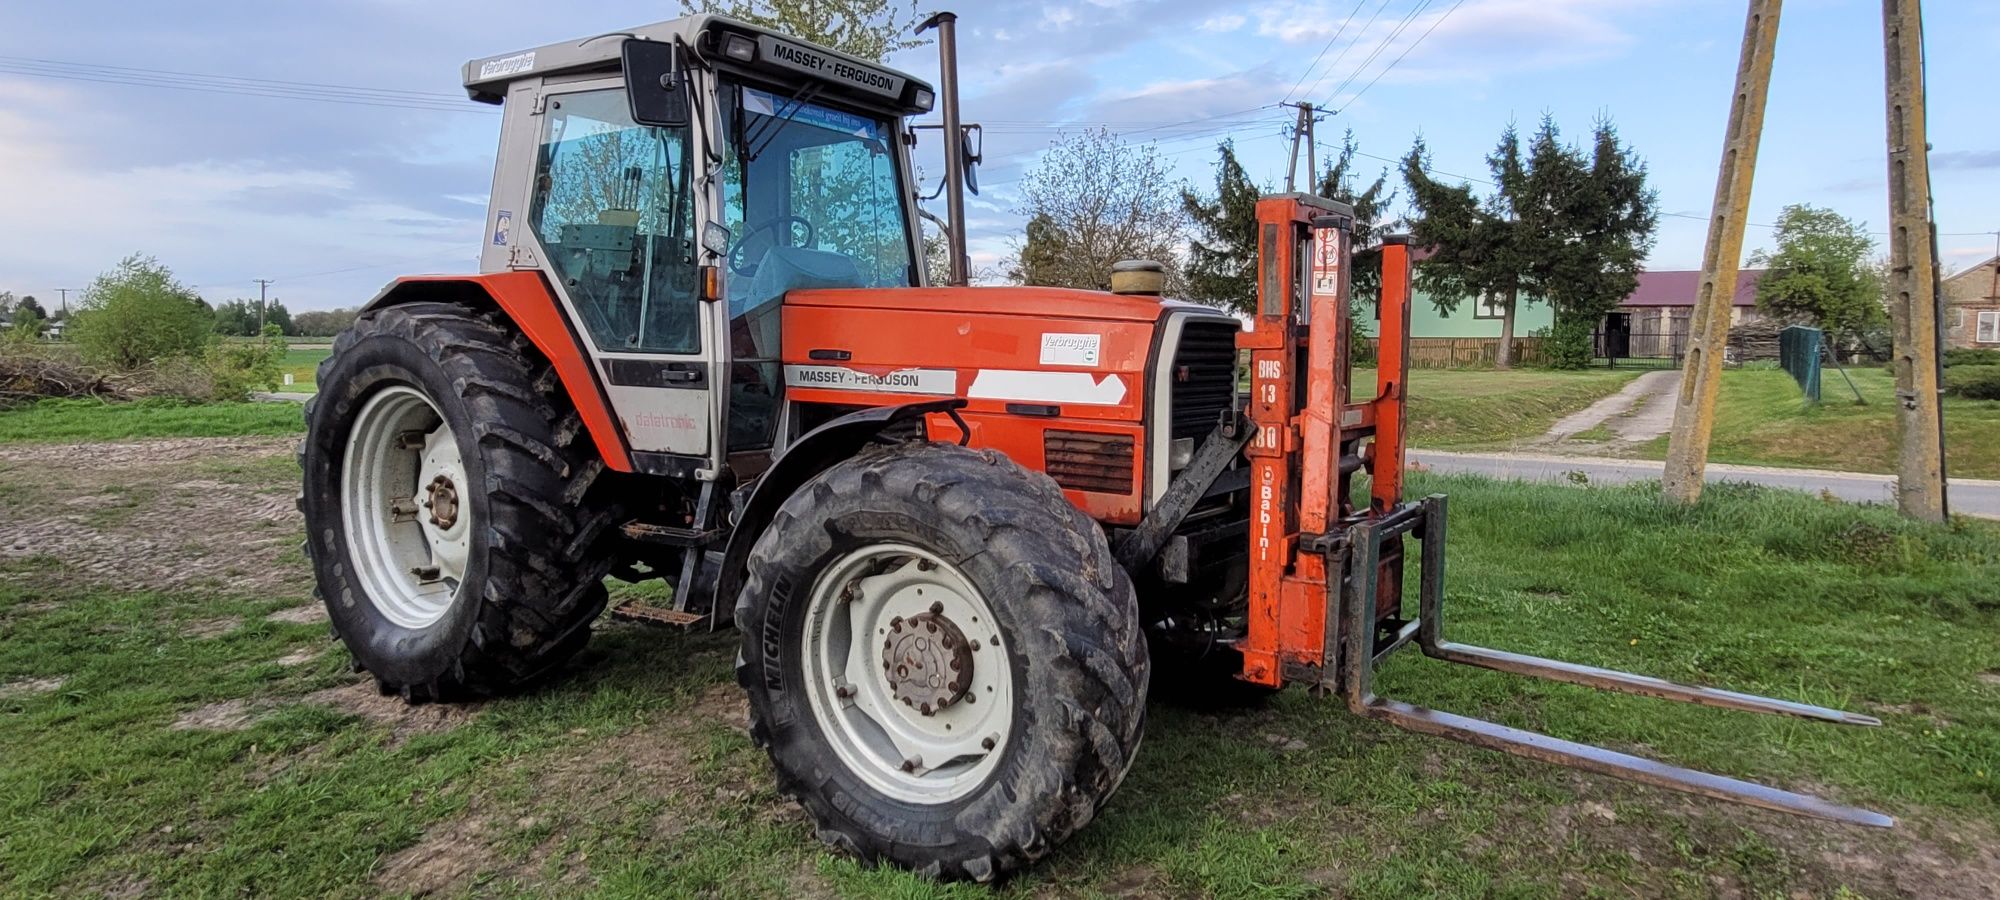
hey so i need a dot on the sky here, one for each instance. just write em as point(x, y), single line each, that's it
point(353, 157)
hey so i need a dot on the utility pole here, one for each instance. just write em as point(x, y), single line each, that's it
point(263, 284)
point(1302, 132)
point(1913, 286)
point(64, 293)
point(1708, 328)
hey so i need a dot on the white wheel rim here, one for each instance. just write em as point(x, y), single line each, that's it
point(898, 749)
point(406, 507)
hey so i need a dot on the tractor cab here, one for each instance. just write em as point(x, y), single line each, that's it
point(674, 183)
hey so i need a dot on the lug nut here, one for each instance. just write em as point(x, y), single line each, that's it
point(986, 743)
point(913, 763)
point(843, 691)
point(937, 607)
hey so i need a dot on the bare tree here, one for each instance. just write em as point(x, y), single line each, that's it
point(1091, 201)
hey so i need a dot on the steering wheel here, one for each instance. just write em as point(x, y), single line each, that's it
point(742, 266)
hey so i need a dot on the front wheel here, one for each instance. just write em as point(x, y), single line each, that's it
point(943, 659)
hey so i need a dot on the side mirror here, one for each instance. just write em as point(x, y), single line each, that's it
point(655, 85)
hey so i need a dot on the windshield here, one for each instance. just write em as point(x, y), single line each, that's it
point(814, 191)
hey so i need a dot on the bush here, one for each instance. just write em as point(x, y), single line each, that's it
point(137, 314)
point(235, 368)
point(1566, 344)
point(1971, 357)
point(1973, 382)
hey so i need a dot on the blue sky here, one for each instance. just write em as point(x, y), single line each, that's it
point(331, 199)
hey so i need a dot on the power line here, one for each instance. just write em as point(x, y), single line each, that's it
point(1349, 46)
point(1328, 46)
point(1399, 58)
point(1386, 41)
point(220, 85)
point(201, 76)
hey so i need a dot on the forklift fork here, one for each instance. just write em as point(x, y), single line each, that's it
point(1355, 650)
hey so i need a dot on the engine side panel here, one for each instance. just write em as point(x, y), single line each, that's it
point(1066, 396)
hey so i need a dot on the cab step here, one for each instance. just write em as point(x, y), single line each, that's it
point(648, 614)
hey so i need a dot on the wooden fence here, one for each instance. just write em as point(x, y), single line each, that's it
point(1469, 353)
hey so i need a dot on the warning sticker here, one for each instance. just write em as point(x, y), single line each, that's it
point(901, 381)
point(1070, 349)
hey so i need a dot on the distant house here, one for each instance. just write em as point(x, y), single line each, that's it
point(1652, 323)
point(1972, 307)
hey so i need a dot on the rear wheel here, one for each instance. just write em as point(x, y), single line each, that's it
point(451, 519)
point(943, 660)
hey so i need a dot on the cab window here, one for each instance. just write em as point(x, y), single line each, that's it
point(612, 211)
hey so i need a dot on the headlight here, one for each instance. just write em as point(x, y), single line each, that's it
point(924, 100)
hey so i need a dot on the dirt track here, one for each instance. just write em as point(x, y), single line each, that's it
point(161, 515)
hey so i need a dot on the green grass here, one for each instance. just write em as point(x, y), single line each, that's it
point(95, 420)
point(302, 363)
point(624, 779)
point(1761, 419)
point(1483, 407)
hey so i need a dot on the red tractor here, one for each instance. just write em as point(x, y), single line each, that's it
point(949, 522)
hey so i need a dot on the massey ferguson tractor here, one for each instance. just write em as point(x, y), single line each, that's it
point(958, 528)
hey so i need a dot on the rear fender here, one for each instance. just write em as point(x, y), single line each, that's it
point(525, 299)
point(810, 455)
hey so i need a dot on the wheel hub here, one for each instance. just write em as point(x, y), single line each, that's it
point(442, 501)
point(927, 661)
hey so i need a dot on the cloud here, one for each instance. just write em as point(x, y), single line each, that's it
point(1223, 24)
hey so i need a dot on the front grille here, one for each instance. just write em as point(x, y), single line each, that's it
point(1203, 377)
point(1083, 461)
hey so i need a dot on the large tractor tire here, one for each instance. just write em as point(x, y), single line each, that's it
point(944, 662)
point(450, 515)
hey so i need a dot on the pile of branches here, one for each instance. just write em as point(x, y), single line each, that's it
point(27, 376)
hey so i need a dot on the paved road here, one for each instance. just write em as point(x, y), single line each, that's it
point(1971, 497)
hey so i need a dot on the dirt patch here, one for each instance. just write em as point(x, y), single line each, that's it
point(445, 857)
point(403, 720)
point(210, 628)
point(1990, 678)
point(309, 614)
point(229, 715)
point(27, 687)
point(1745, 852)
point(661, 766)
point(77, 504)
point(299, 657)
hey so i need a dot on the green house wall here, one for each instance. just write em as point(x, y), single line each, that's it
point(1425, 322)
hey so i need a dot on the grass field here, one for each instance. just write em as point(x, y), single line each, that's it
point(174, 721)
point(96, 420)
point(302, 363)
point(1761, 419)
point(1481, 407)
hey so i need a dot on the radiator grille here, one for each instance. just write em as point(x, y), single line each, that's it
point(1203, 377)
point(1083, 461)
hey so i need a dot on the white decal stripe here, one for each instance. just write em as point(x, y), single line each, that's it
point(1047, 387)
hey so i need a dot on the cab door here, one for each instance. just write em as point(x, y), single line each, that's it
point(613, 218)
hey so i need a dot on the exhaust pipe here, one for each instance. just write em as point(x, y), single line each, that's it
point(954, 143)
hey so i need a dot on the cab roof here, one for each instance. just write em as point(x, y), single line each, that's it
point(486, 78)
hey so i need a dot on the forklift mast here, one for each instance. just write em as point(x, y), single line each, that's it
point(1326, 578)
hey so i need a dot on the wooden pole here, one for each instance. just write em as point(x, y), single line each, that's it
point(1708, 328)
point(1913, 299)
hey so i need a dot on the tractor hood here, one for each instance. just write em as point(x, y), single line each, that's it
point(1039, 302)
